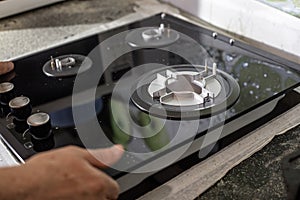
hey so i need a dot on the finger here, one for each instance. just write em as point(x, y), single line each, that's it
point(112, 188)
point(102, 158)
point(6, 67)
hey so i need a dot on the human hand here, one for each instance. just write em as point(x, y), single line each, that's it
point(6, 67)
point(68, 173)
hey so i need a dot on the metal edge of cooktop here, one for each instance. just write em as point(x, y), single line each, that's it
point(13, 153)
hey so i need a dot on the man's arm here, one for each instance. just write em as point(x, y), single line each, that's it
point(66, 173)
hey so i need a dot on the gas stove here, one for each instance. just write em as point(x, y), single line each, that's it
point(162, 87)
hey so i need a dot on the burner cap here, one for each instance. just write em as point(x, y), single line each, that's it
point(67, 65)
point(185, 91)
point(19, 102)
point(6, 87)
point(38, 119)
point(152, 37)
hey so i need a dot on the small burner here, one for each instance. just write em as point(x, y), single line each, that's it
point(185, 91)
point(152, 37)
point(67, 65)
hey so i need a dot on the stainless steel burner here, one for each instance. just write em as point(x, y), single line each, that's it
point(67, 65)
point(185, 88)
point(185, 91)
point(152, 37)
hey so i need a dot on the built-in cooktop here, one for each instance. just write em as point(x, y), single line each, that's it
point(162, 87)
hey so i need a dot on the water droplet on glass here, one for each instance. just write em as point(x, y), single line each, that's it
point(163, 15)
point(229, 58)
point(215, 35)
point(245, 65)
point(10, 126)
point(251, 92)
point(245, 84)
point(288, 72)
point(107, 48)
point(268, 89)
point(60, 79)
point(257, 86)
point(265, 75)
point(256, 97)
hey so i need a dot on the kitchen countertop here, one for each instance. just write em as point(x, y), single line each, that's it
point(260, 176)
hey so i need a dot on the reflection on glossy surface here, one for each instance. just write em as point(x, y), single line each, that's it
point(122, 129)
point(120, 122)
point(160, 139)
point(258, 80)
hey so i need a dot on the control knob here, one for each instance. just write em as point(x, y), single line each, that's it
point(6, 94)
point(40, 130)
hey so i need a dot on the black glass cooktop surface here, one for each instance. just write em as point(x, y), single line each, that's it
point(103, 109)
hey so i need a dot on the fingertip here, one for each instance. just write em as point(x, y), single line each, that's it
point(119, 147)
point(10, 66)
point(106, 156)
point(6, 67)
point(117, 151)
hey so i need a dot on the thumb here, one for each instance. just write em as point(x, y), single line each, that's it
point(102, 158)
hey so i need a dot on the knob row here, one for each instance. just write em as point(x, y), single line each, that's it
point(38, 124)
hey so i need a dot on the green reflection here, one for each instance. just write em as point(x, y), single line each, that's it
point(121, 127)
point(119, 122)
point(160, 139)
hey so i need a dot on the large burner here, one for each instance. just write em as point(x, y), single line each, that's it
point(185, 88)
point(185, 91)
